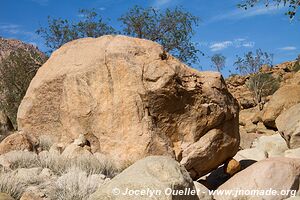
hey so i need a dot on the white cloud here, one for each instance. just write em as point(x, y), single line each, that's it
point(238, 14)
point(220, 45)
point(288, 48)
point(236, 43)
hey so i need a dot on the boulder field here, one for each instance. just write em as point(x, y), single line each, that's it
point(130, 100)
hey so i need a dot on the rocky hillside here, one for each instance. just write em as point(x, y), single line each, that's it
point(10, 45)
point(18, 63)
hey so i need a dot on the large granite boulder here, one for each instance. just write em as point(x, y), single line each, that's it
point(130, 100)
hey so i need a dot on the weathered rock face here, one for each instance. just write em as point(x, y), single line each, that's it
point(129, 103)
point(284, 98)
point(156, 173)
point(276, 173)
point(237, 87)
point(288, 124)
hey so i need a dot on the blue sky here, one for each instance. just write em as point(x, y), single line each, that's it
point(223, 29)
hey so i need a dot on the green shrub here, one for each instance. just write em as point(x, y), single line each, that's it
point(262, 85)
point(296, 67)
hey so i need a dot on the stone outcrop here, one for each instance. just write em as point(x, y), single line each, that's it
point(284, 98)
point(288, 124)
point(156, 173)
point(129, 102)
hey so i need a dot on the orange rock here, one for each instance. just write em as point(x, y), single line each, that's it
point(15, 141)
point(232, 166)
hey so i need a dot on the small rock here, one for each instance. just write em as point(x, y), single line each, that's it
point(232, 166)
point(28, 195)
point(73, 150)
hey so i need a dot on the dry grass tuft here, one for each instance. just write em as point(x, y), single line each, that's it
point(11, 185)
point(22, 159)
point(75, 185)
point(45, 143)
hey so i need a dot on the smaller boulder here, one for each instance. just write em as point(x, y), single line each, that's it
point(77, 148)
point(275, 173)
point(288, 124)
point(251, 154)
point(274, 145)
point(73, 151)
point(16, 141)
point(156, 173)
point(28, 195)
point(284, 98)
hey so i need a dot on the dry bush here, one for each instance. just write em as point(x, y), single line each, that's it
point(45, 143)
point(94, 165)
point(79, 176)
point(22, 159)
point(90, 164)
point(11, 185)
point(262, 85)
point(75, 184)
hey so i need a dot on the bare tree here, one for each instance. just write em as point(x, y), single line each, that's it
point(262, 85)
point(253, 61)
point(218, 61)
